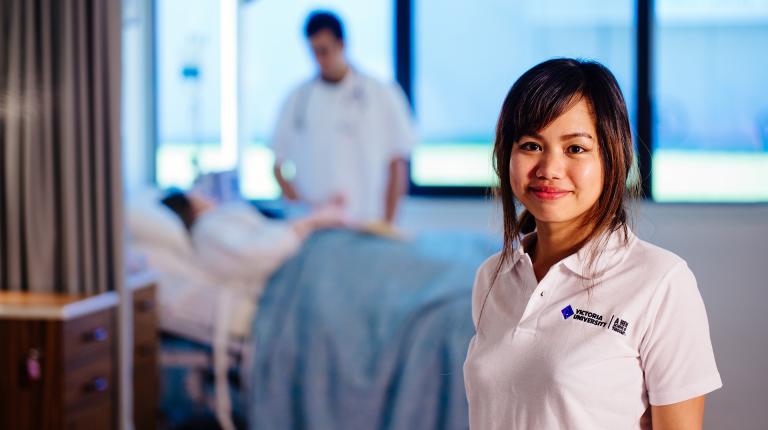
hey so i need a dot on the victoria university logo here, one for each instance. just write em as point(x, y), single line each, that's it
point(616, 324)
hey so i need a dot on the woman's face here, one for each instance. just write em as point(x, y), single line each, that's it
point(557, 173)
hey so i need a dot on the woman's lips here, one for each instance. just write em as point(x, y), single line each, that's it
point(548, 193)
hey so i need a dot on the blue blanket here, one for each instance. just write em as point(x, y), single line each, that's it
point(362, 332)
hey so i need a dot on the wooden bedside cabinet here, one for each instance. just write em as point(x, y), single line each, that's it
point(146, 386)
point(58, 365)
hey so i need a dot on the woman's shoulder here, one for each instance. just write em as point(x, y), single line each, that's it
point(652, 257)
point(489, 266)
point(482, 285)
point(494, 269)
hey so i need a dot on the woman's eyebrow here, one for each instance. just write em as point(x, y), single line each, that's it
point(533, 135)
point(574, 135)
point(566, 136)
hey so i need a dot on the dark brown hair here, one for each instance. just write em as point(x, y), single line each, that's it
point(537, 98)
point(320, 20)
point(180, 204)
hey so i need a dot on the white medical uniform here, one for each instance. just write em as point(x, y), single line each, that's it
point(341, 138)
point(551, 355)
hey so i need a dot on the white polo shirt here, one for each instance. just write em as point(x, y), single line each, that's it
point(551, 355)
point(341, 138)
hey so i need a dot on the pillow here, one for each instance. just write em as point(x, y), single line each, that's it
point(150, 222)
point(184, 269)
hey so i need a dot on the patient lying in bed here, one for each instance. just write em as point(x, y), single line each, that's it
point(237, 249)
point(213, 261)
point(238, 244)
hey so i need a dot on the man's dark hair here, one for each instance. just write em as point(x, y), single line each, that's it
point(179, 203)
point(323, 20)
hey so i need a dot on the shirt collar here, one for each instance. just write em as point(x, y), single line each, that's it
point(518, 252)
point(615, 250)
point(348, 80)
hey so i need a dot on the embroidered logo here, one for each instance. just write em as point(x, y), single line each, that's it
point(567, 312)
point(615, 324)
point(620, 326)
point(589, 318)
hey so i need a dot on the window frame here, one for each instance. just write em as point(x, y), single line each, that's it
point(403, 66)
point(643, 106)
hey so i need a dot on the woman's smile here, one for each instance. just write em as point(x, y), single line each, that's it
point(548, 193)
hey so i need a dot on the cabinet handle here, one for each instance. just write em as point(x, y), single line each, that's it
point(34, 370)
point(97, 385)
point(98, 334)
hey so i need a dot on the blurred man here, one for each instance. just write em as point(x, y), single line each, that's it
point(347, 135)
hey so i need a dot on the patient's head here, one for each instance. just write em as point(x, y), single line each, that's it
point(188, 206)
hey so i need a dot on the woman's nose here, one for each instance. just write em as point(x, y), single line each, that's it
point(550, 166)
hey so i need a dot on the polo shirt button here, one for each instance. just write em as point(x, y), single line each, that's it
point(542, 293)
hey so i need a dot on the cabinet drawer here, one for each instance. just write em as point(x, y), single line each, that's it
point(94, 417)
point(145, 353)
point(89, 384)
point(88, 338)
point(146, 396)
point(145, 316)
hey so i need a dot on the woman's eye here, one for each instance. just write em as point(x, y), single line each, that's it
point(530, 146)
point(575, 149)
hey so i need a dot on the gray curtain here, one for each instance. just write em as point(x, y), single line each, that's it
point(60, 179)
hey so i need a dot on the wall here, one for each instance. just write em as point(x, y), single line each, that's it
point(727, 249)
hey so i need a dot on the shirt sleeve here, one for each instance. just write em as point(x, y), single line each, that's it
point(284, 133)
point(676, 351)
point(402, 132)
point(482, 285)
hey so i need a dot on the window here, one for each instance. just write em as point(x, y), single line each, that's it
point(711, 101)
point(188, 66)
point(467, 57)
point(274, 58)
point(224, 67)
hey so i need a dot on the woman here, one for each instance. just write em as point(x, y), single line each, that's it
point(580, 324)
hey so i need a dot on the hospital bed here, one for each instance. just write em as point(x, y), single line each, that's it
point(355, 331)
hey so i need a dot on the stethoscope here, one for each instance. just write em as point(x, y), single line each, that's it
point(358, 97)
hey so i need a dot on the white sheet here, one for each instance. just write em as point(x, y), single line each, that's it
point(236, 243)
point(187, 298)
point(209, 291)
point(232, 248)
